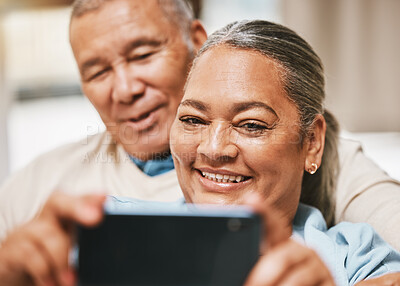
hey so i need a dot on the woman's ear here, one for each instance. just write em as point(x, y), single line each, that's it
point(198, 35)
point(315, 144)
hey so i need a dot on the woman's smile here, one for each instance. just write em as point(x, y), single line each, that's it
point(221, 181)
point(218, 177)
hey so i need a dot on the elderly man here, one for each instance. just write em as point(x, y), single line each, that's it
point(133, 57)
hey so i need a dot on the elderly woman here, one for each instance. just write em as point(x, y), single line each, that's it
point(252, 120)
point(251, 129)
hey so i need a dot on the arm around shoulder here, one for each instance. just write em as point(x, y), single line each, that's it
point(365, 193)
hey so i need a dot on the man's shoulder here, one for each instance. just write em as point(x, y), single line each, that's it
point(95, 143)
point(357, 173)
point(77, 151)
point(348, 148)
point(382, 148)
point(24, 192)
point(61, 161)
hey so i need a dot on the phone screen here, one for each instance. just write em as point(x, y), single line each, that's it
point(186, 248)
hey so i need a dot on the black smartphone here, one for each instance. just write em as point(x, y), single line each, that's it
point(193, 246)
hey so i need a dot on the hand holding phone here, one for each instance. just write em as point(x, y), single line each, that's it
point(190, 246)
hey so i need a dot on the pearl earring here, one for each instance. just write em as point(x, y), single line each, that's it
point(313, 169)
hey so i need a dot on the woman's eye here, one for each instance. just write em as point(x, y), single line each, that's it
point(254, 127)
point(191, 120)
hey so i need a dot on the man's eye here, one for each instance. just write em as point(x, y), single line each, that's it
point(139, 57)
point(98, 74)
point(191, 120)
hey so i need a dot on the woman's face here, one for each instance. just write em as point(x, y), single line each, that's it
point(236, 132)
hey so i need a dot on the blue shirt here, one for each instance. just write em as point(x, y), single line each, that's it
point(352, 252)
point(154, 167)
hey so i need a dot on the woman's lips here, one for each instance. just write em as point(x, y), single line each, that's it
point(223, 178)
point(219, 183)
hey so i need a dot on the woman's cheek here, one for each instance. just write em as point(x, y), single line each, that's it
point(184, 144)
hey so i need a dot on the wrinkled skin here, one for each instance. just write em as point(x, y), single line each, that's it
point(133, 70)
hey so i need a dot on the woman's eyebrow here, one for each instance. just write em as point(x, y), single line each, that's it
point(243, 106)
point(195, 104)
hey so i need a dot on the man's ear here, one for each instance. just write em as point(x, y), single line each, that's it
point(315, 143)
point(198, 34)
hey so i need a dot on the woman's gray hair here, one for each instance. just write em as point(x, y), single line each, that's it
point(304, 82)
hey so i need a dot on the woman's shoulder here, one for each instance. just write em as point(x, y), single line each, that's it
point(356, 246)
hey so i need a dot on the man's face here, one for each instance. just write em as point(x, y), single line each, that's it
point(133, 63)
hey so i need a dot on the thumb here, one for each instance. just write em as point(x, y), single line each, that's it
point(277, 228)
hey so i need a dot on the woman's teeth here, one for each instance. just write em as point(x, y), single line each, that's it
point(223, 178)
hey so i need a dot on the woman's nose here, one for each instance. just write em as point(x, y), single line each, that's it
point(217, 144)
point(127, 86)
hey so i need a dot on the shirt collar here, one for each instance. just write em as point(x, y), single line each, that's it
point(154, 167)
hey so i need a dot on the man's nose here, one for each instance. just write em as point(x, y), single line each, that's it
point(217, 143)
point(127, 86)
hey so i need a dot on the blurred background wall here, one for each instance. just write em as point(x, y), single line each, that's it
point(42, 105)
point(359, 43)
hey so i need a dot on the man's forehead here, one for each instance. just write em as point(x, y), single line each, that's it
point(116, 29)
point(146, 13)
point(83, 7)
point(124, 18)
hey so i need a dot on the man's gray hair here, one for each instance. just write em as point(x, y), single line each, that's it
point(303, 79)
point(178, 12)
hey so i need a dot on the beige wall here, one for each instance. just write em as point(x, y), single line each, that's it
point(4, 98)
point(34, 52)
point(4, 168)
point(37, 48)
point(359, 43)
